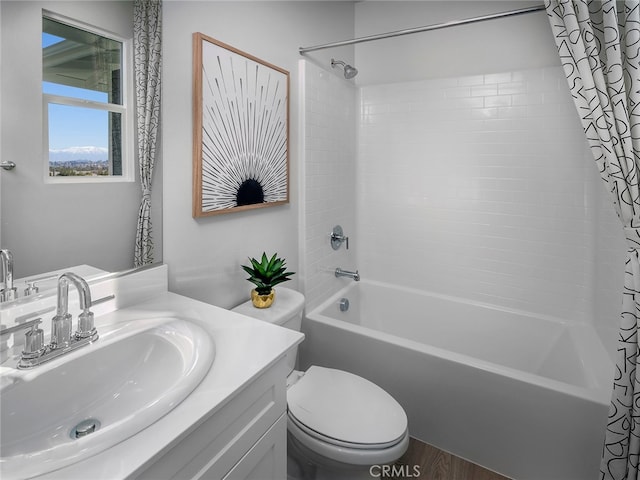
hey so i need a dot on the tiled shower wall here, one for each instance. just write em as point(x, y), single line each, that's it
point(483, 187)
point(328, 116)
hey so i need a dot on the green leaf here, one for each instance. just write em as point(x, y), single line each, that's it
point(267, 272)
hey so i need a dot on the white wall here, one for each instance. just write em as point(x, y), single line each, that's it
point(514, 43)
point(477, 186)
point(51, 226)
point(204, 255)
point(473, 176)
point(328, 180)
point(471, 153)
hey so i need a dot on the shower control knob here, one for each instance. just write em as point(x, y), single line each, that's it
point(338, 238)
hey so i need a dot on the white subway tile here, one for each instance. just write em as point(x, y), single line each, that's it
point(495, 78)
point(481, 179)
point(495, 199)
point(484, 90)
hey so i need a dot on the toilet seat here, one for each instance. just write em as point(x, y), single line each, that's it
point(335, 442)
point(345, 410)
point(316, 448)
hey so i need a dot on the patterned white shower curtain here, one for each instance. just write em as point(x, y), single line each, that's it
point(147, 30)
point(600, 51)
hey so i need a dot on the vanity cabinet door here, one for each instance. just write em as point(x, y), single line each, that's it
point(216, 447)
point(267, 460)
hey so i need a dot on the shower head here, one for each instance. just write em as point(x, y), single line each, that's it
point(349, 71)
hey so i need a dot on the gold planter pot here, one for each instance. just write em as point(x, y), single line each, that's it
point(262, 301)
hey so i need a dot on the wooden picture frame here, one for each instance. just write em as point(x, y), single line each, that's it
point(240, 130)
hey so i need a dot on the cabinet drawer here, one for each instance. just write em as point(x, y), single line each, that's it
point(267, 460)
point(218, 443)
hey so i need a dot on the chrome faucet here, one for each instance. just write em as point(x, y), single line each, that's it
point(8, 292)
point(62, 339)
point(346, 273)
point(61, 324)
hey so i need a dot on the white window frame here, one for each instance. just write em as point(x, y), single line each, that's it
point(126, 112)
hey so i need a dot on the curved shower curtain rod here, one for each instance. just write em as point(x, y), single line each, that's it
point(425, 28)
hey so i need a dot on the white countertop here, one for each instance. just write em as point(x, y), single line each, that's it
point(245, 348)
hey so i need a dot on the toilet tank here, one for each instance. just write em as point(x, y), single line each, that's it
point(286, 311)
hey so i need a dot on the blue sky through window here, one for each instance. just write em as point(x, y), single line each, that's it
point(77, 127)
point(48, 39)
point(71, 127)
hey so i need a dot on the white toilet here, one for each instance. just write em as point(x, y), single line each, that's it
point(339, 424)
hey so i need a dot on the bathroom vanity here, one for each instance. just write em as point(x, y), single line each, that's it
point(200, 392)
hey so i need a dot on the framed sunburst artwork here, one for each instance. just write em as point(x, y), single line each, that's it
point(241, 130)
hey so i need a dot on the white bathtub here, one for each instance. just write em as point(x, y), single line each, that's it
point(523, 395)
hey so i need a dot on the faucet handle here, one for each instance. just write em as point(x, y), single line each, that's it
point(86, 327)
point(8, 294)
point(337, 236)
point(34, 341)
point(31, 288)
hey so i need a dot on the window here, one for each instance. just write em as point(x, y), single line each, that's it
point(85, 110)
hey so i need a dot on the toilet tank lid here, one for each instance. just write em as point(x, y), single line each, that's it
point(287, 303)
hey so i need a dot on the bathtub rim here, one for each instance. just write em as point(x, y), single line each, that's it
point(600, 394)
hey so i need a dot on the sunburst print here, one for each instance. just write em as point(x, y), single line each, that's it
point(244, 131)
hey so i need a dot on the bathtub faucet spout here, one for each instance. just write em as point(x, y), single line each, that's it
point(346, 273)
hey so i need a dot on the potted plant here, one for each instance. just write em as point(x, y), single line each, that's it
point(266, 274)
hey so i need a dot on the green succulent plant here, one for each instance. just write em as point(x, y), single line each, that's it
point(267, 273)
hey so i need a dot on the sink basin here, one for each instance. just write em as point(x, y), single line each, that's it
point(133, 375)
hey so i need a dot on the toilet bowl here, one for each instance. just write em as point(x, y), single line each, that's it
point(339, 424)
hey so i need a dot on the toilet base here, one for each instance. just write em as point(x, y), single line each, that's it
point(304, 464)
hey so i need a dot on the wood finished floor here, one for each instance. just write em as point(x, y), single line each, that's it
point(438, 465)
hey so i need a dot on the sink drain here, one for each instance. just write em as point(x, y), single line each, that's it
point(84, 428)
